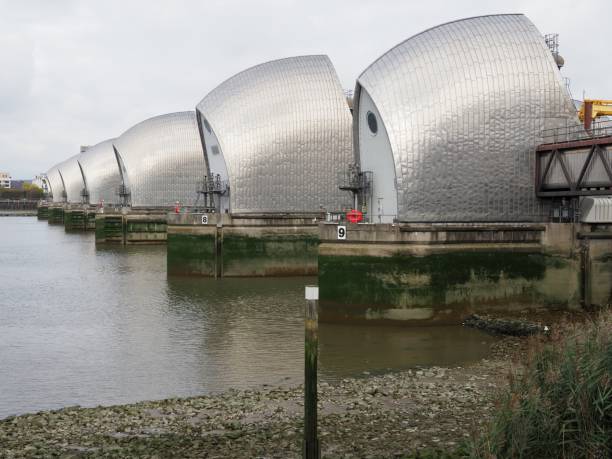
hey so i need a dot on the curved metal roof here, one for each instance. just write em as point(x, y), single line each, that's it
point(56, 184)
point(596, 209)
point(162, 159)
point(101, 172)
point(72, 179)
point(284, 130)
point(463, 105)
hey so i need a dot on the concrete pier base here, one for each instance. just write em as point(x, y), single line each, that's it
point(131, 227)
point(56, 214)
point(596, 264)
point(223, 245)
point(79, 219)
point(439, 273)
point(42, 211)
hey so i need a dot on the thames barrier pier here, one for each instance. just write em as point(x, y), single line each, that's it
point(42, 211)
point(224, 245)
point(128, 228)
point(262, 220)
point(474, 207)
point(442, 272)
point(473, 183)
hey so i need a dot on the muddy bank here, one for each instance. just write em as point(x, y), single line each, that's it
point(374, 416)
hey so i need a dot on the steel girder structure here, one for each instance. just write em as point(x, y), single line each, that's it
point(574, 168)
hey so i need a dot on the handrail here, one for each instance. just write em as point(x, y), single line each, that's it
point(576, 132)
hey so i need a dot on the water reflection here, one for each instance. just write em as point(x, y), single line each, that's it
point(80, 325)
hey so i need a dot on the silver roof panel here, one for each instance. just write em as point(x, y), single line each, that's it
point(464, 104)
point(284, 129)
point(163, 160)
point(73, 179)
point(56, 184)
point(101, 173)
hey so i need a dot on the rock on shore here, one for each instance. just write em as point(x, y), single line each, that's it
point(375, 416)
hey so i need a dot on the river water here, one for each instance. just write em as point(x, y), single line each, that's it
point(99, 326)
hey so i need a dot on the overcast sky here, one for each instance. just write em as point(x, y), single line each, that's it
point(78, 72)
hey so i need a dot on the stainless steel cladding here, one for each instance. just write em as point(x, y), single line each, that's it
point(72, 179)
point(56, 184)
point(280, 132)
point(596, 209)
point(459, 110)
point(162, 160)
point(101, 172)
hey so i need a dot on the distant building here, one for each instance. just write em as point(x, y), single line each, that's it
point(18, 184)
point(5, 180)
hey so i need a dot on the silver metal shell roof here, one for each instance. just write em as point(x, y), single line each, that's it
point(101, 172)
point(284, 129)
point(163, 160)
point(464, 104)
point(596, 209)
point(72, 179)
point(56, 184)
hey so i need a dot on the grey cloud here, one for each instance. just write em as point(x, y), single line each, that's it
point(80, 72)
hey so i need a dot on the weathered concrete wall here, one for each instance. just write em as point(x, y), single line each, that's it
point(91, 220)
point(130, 228)
point(439, 273)
point(79, 219)
point(235, 246)
point(109, 228)
point(596, 246)
point(74, 219)
point(192, 250)
point(56, 215)
point(42, 212)
point(269, 251)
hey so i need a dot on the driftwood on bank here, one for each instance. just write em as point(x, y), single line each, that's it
point(511, 327)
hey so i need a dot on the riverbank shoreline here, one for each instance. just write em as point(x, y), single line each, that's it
point(375, 416)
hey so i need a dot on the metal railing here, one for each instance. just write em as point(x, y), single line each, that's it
point(213, 185)
point(354, 180)
point(576, 132)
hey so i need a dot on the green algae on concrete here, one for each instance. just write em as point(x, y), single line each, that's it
point(224, 245)
point(56, 215)
point(74, 220)
point(192, 254)
point(131, 228)
point(109, 228)
point(444, 286)
point(145, 229)
point(599, 269)
point(42, 212)
point(146, 226)
point(91, 220)
point(269, 253)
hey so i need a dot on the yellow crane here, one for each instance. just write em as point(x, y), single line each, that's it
point(593, 108)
